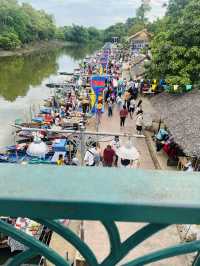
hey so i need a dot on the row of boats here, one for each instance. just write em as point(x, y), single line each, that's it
point(53, 133)
point(71, 107)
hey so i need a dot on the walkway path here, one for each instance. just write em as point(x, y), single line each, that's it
point(95, 235)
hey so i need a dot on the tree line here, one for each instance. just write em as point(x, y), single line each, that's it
point(21, 24)
point(175, 47)
point(132, 25)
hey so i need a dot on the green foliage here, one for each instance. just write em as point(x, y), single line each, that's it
point(158, 25)
point(95, 34)
point(176, 44)
point(81, 35)
point(131, 26)
point(117, 30)
point(138, 26)
point(178, 80)
point(9, 41)
point(140, 21)
point(21, 24)
point(79, 52)
point(175, 7)
point(77, 34)
point(59, 34)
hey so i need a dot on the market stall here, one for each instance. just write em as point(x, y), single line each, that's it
point(180, 114)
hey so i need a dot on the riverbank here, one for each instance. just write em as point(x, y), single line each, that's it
point(36, 47)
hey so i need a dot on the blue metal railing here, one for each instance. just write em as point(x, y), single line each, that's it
point(48, 193)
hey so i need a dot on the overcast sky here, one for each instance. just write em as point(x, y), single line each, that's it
point(98, 13)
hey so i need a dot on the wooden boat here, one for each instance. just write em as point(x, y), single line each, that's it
point(66, 74)
point(57, 85)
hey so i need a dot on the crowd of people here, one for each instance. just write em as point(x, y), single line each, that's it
point(108, 157)
point(124, 96)
point(120, 97)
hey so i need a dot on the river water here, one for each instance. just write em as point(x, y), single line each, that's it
point(23, 79)
point(22, 84)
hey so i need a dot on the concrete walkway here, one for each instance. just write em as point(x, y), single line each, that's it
point(95, 234)
point(61, 246)
point(112, 125)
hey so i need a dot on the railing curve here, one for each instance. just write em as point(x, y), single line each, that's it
point(47, 193)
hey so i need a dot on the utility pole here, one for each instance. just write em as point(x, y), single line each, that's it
point(82, 139)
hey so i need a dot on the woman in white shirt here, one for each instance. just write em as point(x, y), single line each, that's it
point(120, 102)
point(139, 122)
point(139, 107)
point(116, 144)
point(132, 107)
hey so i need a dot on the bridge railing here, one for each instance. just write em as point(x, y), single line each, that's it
point(46, 194)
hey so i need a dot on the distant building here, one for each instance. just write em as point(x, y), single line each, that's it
point(115, 39)
point(139, 40)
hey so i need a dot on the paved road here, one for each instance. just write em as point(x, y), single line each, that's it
point(95, 234)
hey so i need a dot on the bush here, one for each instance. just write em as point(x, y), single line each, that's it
point(9, 41)
point(181, 81)
point(178, 80)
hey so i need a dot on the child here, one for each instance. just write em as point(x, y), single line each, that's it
point(60, 160)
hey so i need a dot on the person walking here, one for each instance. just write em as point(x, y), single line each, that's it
point(119, 102)
point(126, 97)
point(139, 122)
point(132, 107)
point(108, 156)
point(110, 109)
point(98, 157)
point(123, 116)
point(90, 156)
point(116, 144)
point(128, 102)
point(99, 113)
point(139, 107)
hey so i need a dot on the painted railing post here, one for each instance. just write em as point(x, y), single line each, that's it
point(47, 193)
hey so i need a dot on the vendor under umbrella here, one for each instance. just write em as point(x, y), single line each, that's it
point(128, 154)
point(37, 148)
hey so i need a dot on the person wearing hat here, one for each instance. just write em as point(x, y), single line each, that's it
point(125, 162)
